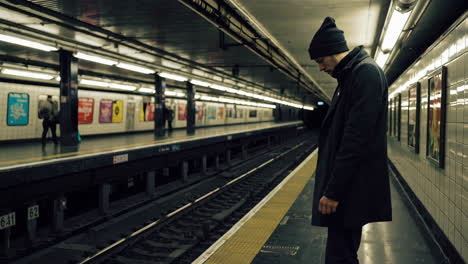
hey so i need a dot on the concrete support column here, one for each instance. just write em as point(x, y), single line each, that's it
point(204, 164)
point(5, 241)
point(31, 224)
point(166, 172)
point(160, 104)
point(228, 156)
point(60, 204)
point(68, 98)
point(104, 193)
point(190, 108)
point(184, 170)
point(217, 161)
point(8, 221)
point(150, 183)
point(244, 151)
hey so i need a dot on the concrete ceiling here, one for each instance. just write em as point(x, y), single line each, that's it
point(167, 30)
point(294, 22)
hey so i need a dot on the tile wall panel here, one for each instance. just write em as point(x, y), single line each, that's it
point(444, 192)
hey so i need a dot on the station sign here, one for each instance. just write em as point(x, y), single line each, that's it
point(120, 158)
point(7, 220)
point(33, 212)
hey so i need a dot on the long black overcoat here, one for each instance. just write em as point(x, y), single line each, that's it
point(352, 158)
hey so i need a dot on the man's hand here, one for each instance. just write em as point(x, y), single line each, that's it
point(327, 206)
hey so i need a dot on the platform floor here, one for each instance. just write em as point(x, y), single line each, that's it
point(294, 240)
point(23, 153)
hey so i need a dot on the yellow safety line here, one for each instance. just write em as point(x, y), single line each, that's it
point(43, 158)
point(244, 245)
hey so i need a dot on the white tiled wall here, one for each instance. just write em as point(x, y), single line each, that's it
point(444, 192)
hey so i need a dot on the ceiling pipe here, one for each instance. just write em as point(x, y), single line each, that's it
point(428, 23)
point(405, 5)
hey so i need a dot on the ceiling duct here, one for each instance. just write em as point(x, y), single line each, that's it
point(405, 5)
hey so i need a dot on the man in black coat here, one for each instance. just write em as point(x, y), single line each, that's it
point(352, 186)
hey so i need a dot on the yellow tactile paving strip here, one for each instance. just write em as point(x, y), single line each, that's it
point(244, 245)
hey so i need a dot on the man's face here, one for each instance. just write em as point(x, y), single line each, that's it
point(326, 64)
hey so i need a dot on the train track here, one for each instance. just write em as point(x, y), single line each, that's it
point(178, 227)
point(183, 234)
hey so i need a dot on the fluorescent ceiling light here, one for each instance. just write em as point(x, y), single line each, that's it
point(178, 94)
point(94, 83)
point(28, 74)
point(169, 93)
point(219, 87)
point(122, 86)
point(173, 77)
point(95, 59)
point(26, 43)
point(146, 90)
point(135, 68)
point(308, 108)
point(107, 84)
point(394, 28)
point(200, 83)
point(231, 90)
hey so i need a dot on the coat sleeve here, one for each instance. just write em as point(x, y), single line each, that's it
point(365, 104)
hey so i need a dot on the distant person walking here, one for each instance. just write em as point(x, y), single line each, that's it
point(352, 186)
point(169, 116)
point(48, 112)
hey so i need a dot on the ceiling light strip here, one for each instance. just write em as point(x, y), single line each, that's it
point(28, 74)
point(26, 43)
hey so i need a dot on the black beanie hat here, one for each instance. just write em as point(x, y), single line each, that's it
point(328, 40)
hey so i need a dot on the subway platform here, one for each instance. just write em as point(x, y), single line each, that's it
point(14, 155)
point(278, 230)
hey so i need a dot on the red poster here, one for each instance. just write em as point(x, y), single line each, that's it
point(200, 112)
point(182, 112)
point(149, 113)
point(85, 110)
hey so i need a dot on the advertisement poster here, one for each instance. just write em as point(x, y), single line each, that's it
point(149, 112)
point(395, 116)
point(130, 124)
point(142, 113)
point(199, 112)
point(211, 113)
point(85, 110)
point(390, 117)
point(413, 117)
point(105, 111)
point(221, 113)
point(230, 112)
point(117, 109)
point(18, 109)
point(182, 112)
point(434, 118)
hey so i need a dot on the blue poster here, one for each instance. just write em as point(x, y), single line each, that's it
point(18, 109)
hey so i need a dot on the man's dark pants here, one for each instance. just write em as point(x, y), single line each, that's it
point(342, 245)
point(46, 124)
